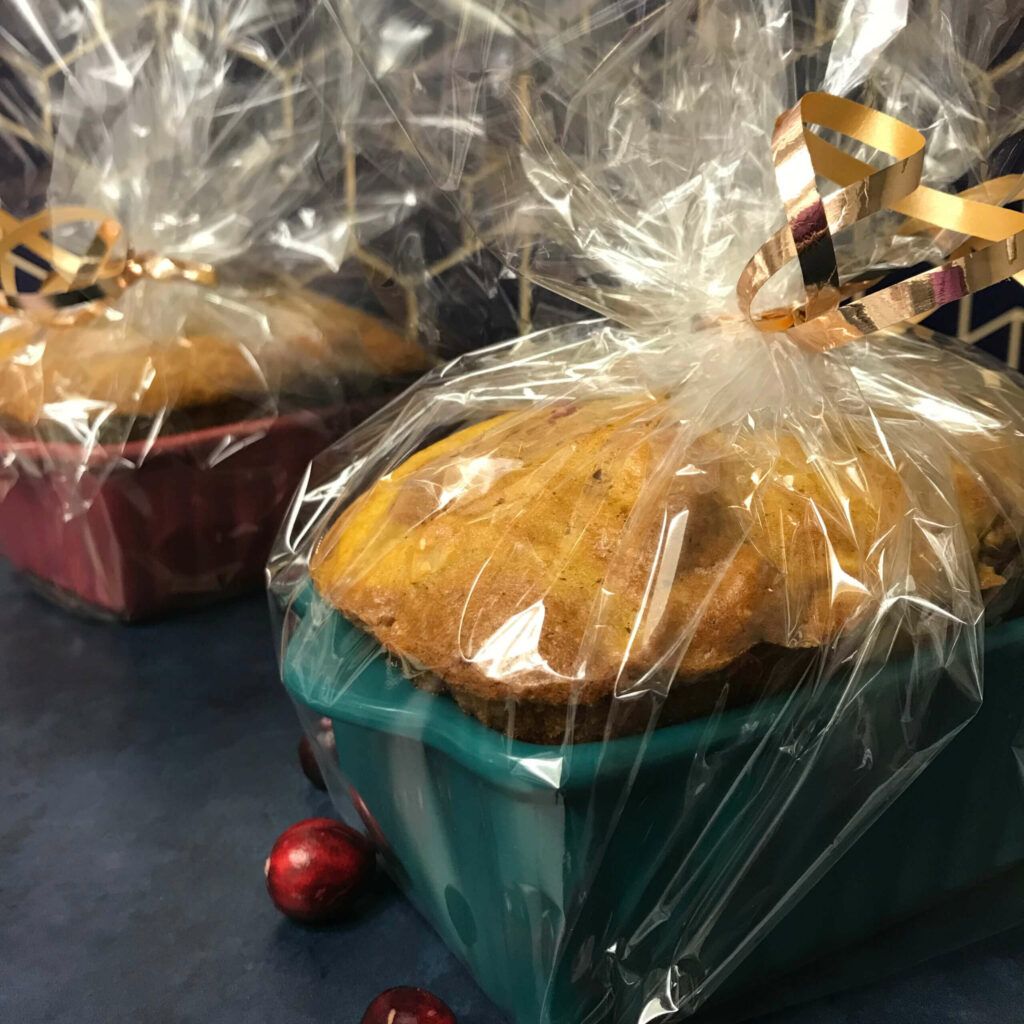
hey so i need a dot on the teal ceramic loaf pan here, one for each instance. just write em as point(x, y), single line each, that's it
point(534, 862)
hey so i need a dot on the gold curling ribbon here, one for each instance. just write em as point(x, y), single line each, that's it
point(66, 273)
point(994, 249)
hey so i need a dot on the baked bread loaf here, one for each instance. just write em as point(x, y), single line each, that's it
point(297, 340)
point(540, 563)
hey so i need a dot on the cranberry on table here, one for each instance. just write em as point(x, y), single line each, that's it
point(310, 765)
point(406, 1005)
point(373, 830)
point(318, 869)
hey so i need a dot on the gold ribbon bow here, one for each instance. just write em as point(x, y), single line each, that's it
point(993, 252)
point(994, 249)
point(60, 272)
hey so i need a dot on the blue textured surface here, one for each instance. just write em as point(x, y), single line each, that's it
point(144, 773)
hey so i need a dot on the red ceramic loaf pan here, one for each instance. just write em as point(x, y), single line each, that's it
point(156, 526)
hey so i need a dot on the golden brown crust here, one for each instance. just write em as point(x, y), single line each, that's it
point(573, 553)
point(127, 371)
point(753, 677)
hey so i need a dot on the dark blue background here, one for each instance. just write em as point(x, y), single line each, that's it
point(144, 773)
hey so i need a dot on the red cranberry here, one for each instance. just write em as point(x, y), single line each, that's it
point(373, 830)
point(317, 870)
point(325, 734)
point(310, 765)
point(407, 1006)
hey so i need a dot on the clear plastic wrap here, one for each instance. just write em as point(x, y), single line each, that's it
point(621, 637)
point(233, 282)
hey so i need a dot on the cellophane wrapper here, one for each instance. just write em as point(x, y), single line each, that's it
point(147, 453)
point(622, 637)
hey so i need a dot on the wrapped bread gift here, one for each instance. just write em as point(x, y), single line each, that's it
point(669, 651)
point(198, 296)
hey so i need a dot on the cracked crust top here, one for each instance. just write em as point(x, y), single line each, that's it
point(576, 551)
point(128, 370)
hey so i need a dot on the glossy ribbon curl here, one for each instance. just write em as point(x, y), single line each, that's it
point(61, 272)
point(993, 251)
